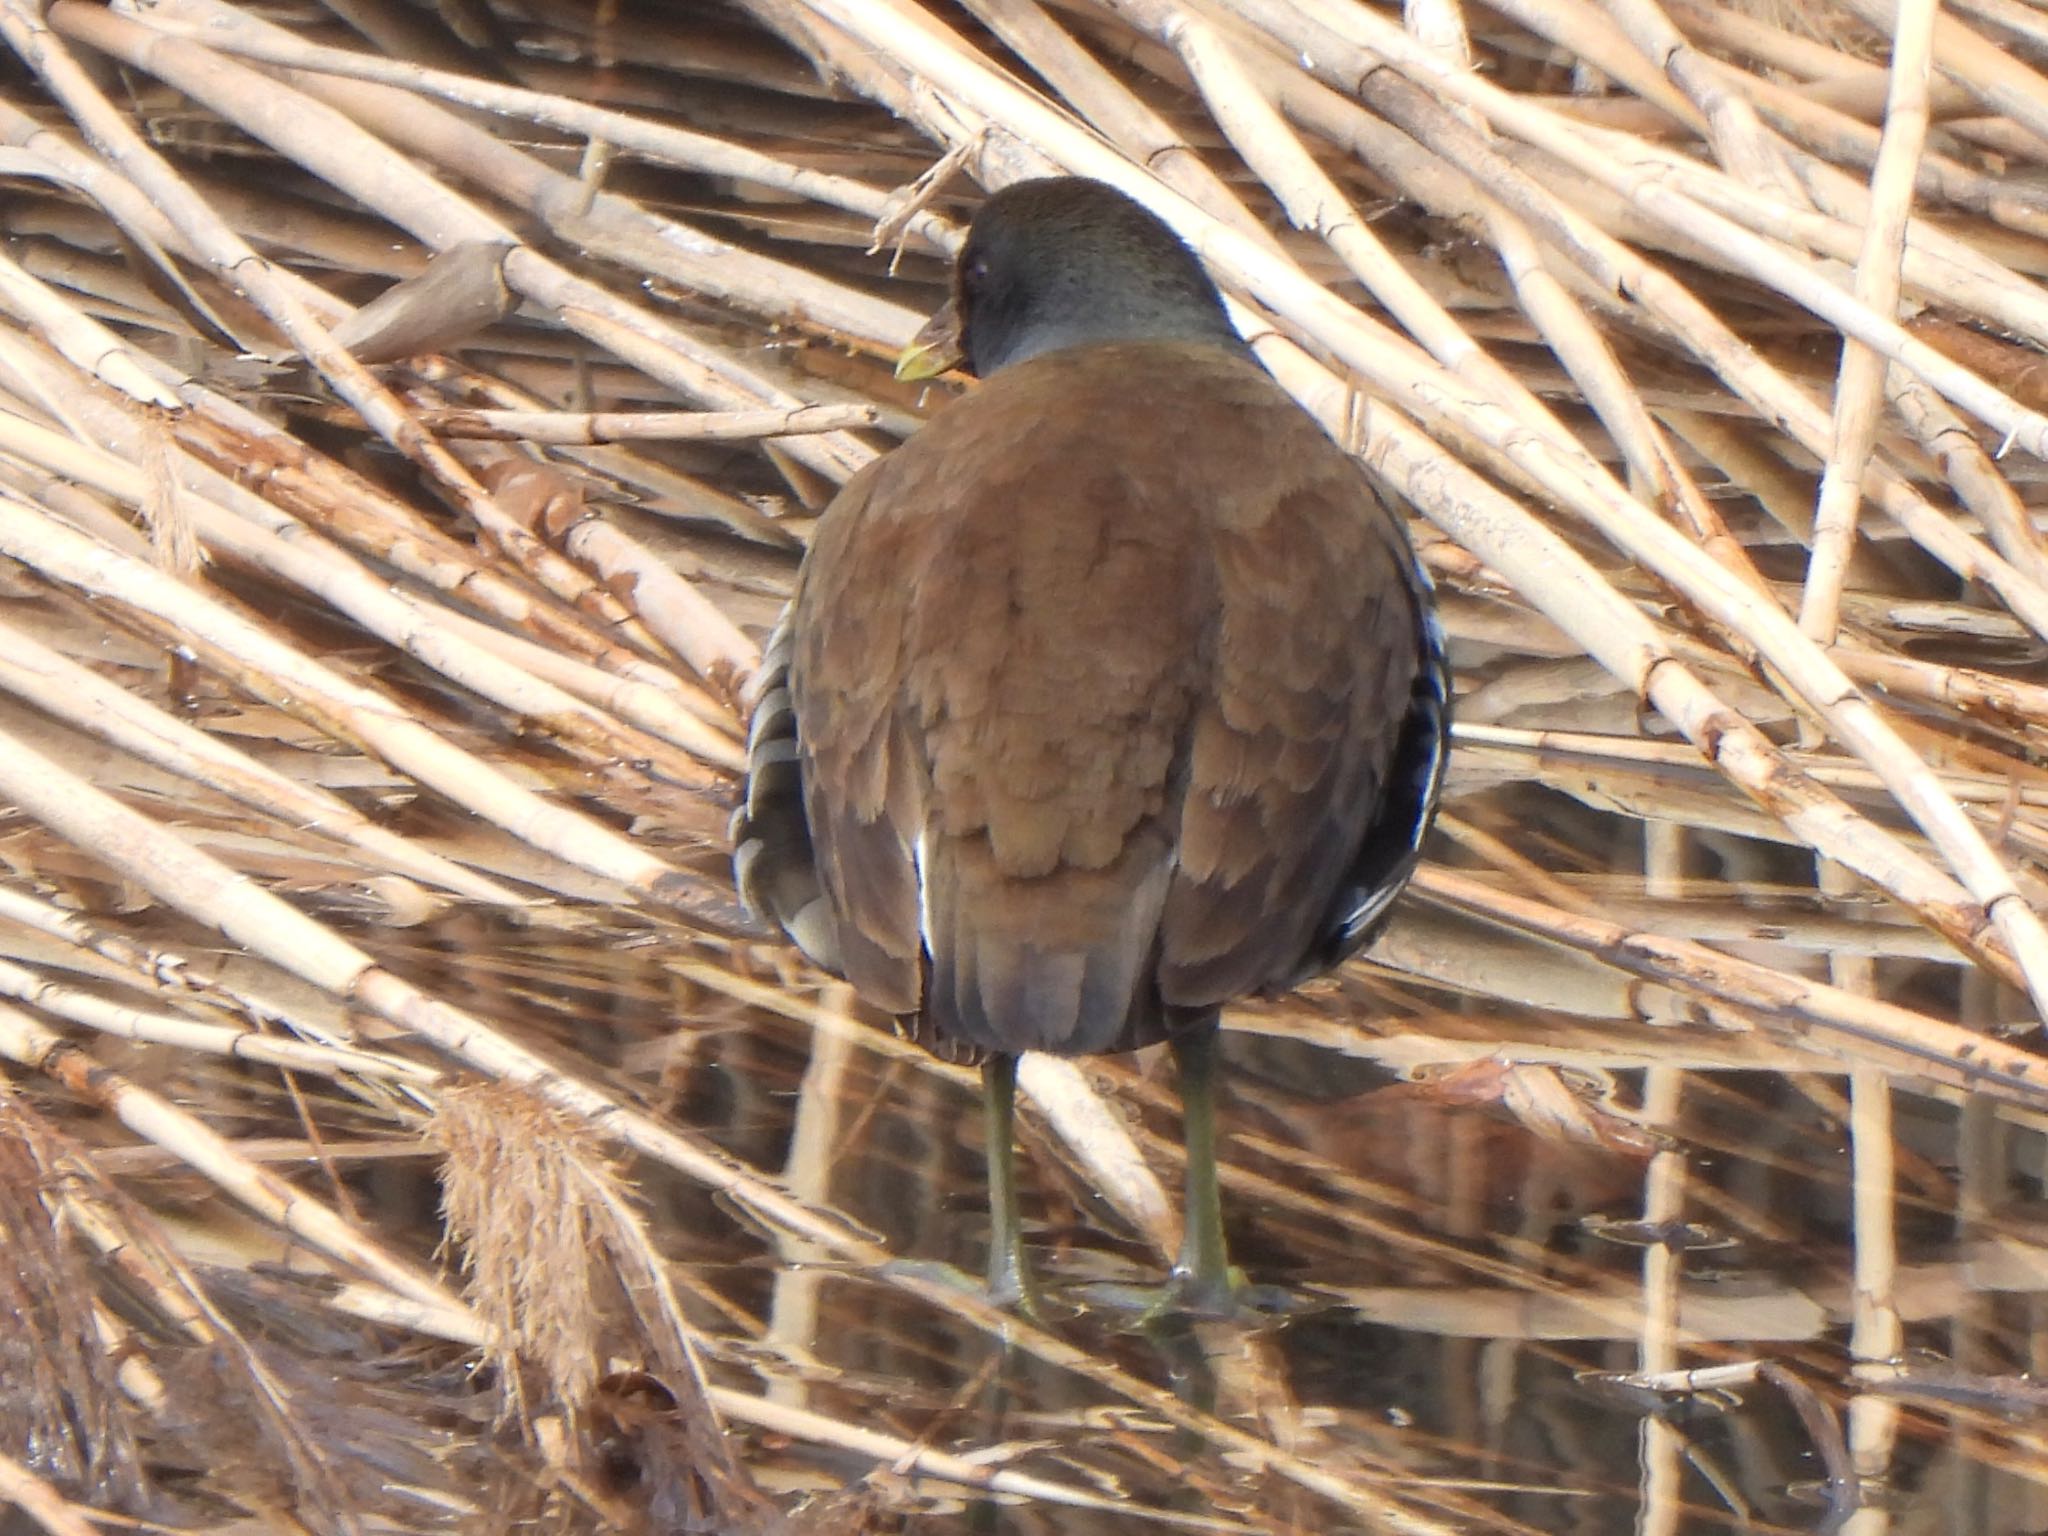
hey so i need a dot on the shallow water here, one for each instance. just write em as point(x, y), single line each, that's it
point(1471, 1296)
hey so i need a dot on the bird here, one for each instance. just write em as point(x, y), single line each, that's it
point(1112, 695)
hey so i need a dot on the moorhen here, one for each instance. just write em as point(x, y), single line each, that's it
point(1112, 695)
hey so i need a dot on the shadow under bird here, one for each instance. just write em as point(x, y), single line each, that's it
point(1113, 695)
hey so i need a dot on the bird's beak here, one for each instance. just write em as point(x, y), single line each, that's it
point(935, 348)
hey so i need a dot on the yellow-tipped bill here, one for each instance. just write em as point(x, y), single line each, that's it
point(935, 348)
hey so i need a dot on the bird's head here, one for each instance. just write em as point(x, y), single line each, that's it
point(1065, 262)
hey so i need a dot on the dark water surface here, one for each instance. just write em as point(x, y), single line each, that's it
point(1471, 1296)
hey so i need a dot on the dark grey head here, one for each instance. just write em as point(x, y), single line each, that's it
point(1068, 261)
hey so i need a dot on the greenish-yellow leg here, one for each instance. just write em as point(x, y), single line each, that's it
point(1202, 1279)
point(1009, 1277)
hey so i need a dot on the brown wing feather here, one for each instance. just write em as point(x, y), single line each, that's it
point(1316, 656)
point(864, 786)
point(1096, 683)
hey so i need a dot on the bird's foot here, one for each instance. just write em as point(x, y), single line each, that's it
point(931, 1272)
point(1006, 1291)
point(1187, 1298)
point(1016, 1289)
point(1225, 1296)
point(1218, 1295)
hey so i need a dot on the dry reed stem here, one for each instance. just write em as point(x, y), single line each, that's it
point(326, 140)
point(1114, 109)
point(654, 703)
point(1665, 1184)
point(221, 28)
point(149, 1116)
point(1103, 1147)
point(569, 427)
point(41, 1502)
point(1959, 1056)
point(1587, 35)
point(237, 264)
point(67, 691)
point(273, 669)
point(1876, 1335)
point(83, 343)
point(248, 1044)
point(1859, 384)
point(795, 1314)
point(551, 506)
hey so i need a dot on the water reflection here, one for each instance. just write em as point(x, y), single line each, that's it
point(1474, 1320)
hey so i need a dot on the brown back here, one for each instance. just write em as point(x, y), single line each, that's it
point(1098, 683)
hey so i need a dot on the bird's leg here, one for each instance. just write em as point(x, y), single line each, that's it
point(1009, 1277)
point(1203, 1280)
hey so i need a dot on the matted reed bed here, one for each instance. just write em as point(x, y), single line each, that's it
point(401, 1126)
